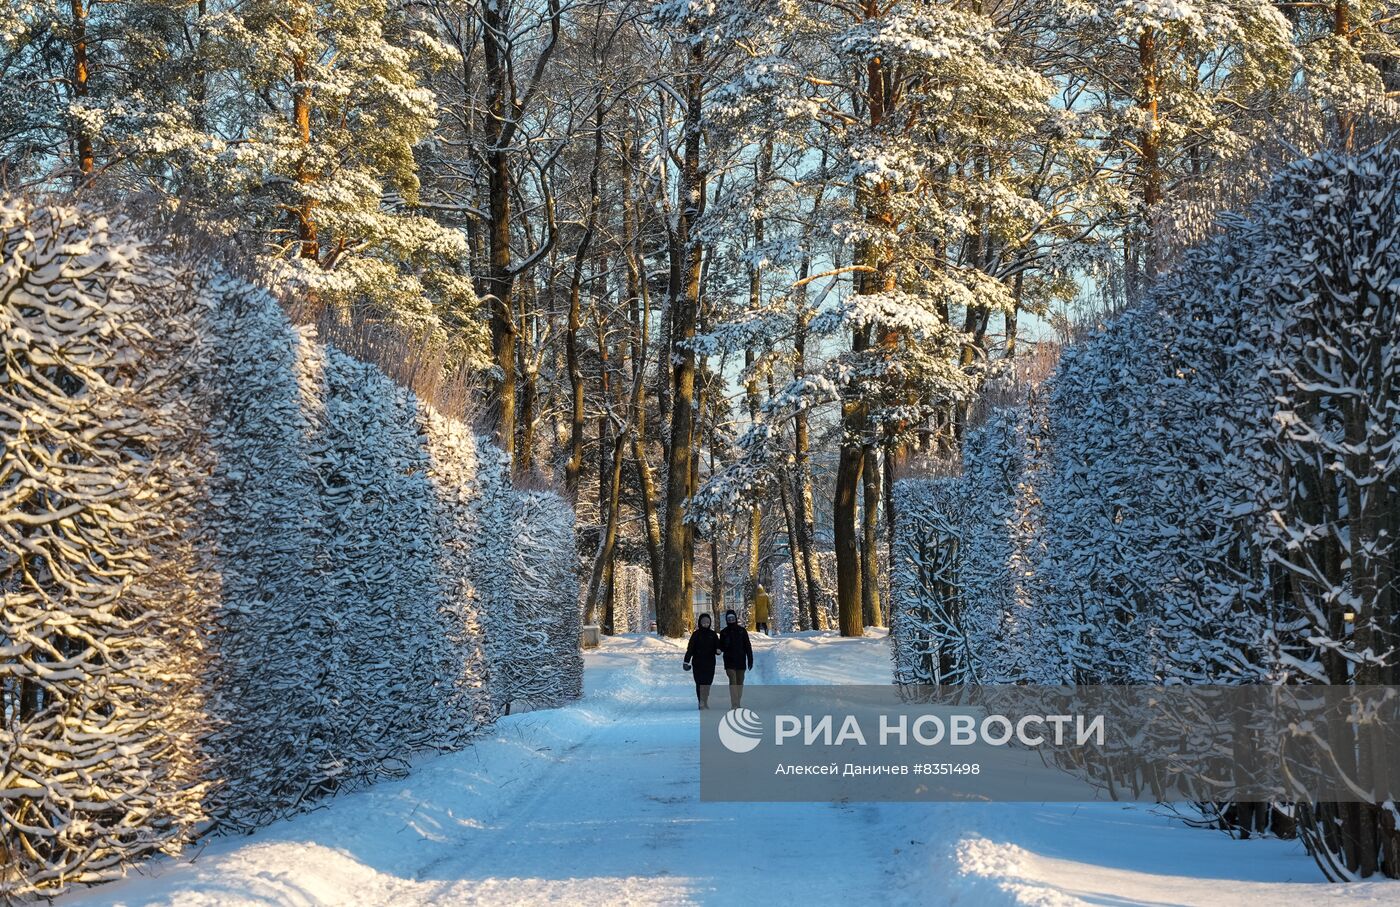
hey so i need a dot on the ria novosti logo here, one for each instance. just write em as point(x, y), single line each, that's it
point(740, 730)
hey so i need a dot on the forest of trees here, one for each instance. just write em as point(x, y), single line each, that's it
point(721, 271)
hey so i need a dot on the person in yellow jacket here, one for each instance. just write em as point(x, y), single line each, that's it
point(762, 602)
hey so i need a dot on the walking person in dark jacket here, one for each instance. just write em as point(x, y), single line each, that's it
point(738, 656)
point(700, 655)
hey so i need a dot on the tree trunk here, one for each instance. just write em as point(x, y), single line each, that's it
point(674, 607)
point(804, 502)
point(1341, 29)
point(762, 172)
point(600, 579)
point(1012, 314)
point(529, 374)
point(640, 295)
point(870, 543)
point(873, 203)
point(717, 596)
point(1150, 141)
point(574, 467)
point(82, 138)
point(790, 520)
point(309, 246)
point(846, 537)
point(500, 280)
point(604, 397)
point(755, 527)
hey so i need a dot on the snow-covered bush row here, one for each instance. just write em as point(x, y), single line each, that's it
point(240, 569)
point(786, 608)
point(100, 590)
point(631, 599)
point(384, 586)
point(1208, 490)
point(783, 608)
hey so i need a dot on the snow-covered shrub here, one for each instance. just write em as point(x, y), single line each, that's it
point(1330, 349)
point(548, 667)
point(926, 588)
point(631, 591)
point(267, 571)
point(1003, 569)
point(99, 705)
point(385, 586)
point(784, 607)
point(787, 610)
point(967, 594)
point(1211, 492)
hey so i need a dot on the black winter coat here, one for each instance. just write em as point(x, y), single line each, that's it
point(738, 653)
point(700, 654)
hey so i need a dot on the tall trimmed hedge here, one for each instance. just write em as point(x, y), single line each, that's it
point(241, 570)
point(1205, 491)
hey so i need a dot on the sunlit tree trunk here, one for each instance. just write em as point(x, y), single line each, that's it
point(1150, 144)
point(82, 139)
point(574, 466)
point(500, 280)
point(850, 460)
point(640, 295)
point(674, 604)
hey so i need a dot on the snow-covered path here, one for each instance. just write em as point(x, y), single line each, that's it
point(599, 803)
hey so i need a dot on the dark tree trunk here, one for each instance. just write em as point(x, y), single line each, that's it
point(870, 543)
point(82, 140)
point(846, 536)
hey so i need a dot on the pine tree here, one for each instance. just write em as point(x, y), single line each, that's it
point(323, 166)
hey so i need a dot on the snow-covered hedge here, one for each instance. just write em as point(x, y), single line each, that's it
point(240, 569)
point(786, 609)
point(783, 608)
point(384, 588)
point(926, 623)
point(631, 599)
point(1208, 490)
point(102, 594)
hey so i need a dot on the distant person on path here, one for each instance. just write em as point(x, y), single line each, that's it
point(762, 602)
point(700, 655)
point(738, 655)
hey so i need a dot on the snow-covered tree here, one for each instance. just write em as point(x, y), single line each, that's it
point(100, 93)
point(322, 164)
point(1173, 86)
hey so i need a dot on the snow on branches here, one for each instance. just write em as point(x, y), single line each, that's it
point(99, 587)
point(1206, 490)
point(240, 569)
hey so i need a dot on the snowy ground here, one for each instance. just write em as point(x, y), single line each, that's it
point(599, 803)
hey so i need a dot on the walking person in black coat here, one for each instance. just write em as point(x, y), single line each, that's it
point(700, 655)
point(738, 656)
